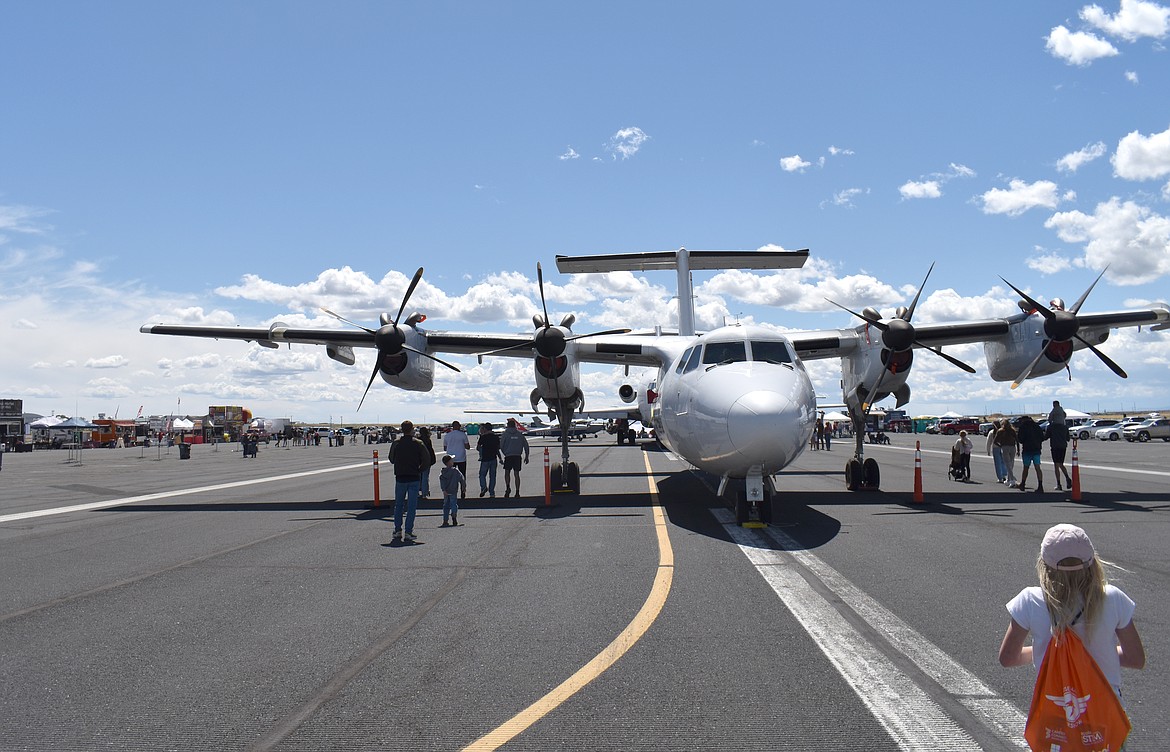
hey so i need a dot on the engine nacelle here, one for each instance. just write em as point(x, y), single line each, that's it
point(1008, 356)
point(627, 393)
point(861, 371)
point(558, 379)
point(407, 370)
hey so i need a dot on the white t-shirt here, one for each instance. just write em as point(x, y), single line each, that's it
point(1030, 612)
point(455, 444)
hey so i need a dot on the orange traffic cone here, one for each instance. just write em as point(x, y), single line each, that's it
point(918, 471)
point(1076, 474)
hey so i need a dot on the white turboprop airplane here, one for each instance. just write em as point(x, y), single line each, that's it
point(735, 402)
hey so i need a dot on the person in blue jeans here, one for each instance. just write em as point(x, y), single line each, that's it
point(452, 482)
point(410, 459)
point(488, 445)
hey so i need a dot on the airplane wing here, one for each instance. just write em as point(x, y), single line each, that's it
point(836, 343)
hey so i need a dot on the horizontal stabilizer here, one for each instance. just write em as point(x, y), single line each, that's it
point(662, 260)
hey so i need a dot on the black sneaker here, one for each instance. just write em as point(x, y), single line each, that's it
point(398, 535)
point(454, 521)
point(482, 492)
point(445, 524)
point(411, 537)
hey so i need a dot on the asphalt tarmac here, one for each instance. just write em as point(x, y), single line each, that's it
point(219, 602)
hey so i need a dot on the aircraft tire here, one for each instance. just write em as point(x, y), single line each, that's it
point(853, 475)
point(573, 477)
point(871, 475)
point(742, 506)
point(766, 507)
point(554, 475)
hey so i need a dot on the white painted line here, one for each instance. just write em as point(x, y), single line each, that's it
point(1067, 460)
point(905, 710)
point(168, 494)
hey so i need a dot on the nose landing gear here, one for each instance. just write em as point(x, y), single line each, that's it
point(751, 497)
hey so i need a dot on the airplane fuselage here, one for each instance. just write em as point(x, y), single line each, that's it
point(737, 400)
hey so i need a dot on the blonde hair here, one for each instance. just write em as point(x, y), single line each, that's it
point(1072, 593)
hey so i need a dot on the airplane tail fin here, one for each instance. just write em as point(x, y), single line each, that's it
point(682, 261)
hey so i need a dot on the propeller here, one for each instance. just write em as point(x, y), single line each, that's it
point(899, 336)
point(389, 340)
point(548, 340)
point(1062, 325)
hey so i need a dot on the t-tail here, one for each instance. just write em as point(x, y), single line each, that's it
point(682, 261)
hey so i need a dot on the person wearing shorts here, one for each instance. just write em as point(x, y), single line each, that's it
point(513, 445)
point(1031, 439)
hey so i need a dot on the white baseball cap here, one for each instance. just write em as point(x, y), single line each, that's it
point(1067, 542)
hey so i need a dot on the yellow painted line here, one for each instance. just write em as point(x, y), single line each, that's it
point(612, 652)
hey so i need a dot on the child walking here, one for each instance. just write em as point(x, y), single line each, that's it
point(1073, 594)
point(452, 484)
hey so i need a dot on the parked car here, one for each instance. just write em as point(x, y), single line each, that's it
point(1154, 428)
point(970, 425)
point(1115, 432)
point(937, 425)
point(1087, 430)
point(986, 428)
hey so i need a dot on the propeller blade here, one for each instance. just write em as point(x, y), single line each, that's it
point(1024, 375)
point(1081, 300)
point(540, 284)
point(952, 360)
point(876, 323)
point(351, 323)
point(1104, 358)
point(432, 357)
point(914, 303)
point(598, 334)
point(1043, 310)
point(373, 376)
point(409, 292)
point(868, 404)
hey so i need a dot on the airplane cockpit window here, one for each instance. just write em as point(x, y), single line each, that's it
point(725, 352)
point(682, 361)
point(693, 361)
point(770, 352)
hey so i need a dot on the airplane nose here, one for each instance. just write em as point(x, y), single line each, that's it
point(755, 424)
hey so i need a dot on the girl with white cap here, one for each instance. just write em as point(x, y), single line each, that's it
point(1073, 594)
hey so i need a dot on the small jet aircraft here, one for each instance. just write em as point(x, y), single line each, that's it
point(736, 401)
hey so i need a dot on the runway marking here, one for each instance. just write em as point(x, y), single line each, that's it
point(167, 494)
point(629, 636)
point(912, 718)
point(1067, 462)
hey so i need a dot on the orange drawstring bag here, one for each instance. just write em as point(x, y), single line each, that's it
point(1074, 708)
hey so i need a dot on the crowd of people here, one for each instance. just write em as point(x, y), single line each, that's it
point(413, 455)
point(1027, 439)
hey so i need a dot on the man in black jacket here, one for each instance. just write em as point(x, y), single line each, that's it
point(488, 445)
point(410, 459)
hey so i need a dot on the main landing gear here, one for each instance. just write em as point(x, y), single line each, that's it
point(565, 477)
point(862, 475)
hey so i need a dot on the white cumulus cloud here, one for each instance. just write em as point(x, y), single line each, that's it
point(1141, 157)
point(1135, 19)
point(1132, 240)
point(1079, 47)
point(1075, 160)
point(1019, 197)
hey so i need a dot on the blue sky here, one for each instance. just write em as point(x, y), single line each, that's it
point(239, 163)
